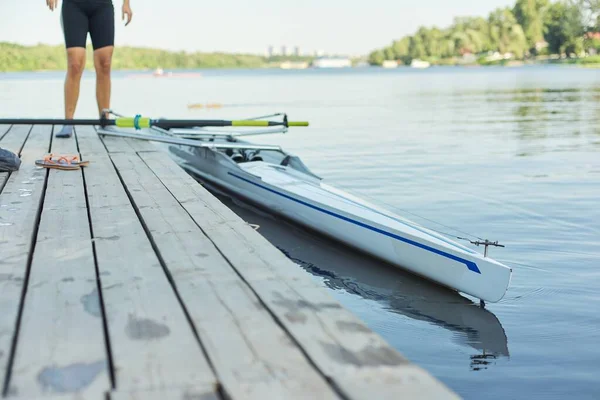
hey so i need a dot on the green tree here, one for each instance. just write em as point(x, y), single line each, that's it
point(564, 28)
point(530, 15)
point(477, 29)
point(377, 57)
point(417, 47)
point(515, 30)
point(401, 47)
point(388, 53)
point(506, 34)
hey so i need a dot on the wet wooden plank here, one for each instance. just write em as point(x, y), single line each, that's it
point(191, 393)
point(358, 360)
point(152, 343)
point(19, 211)
point(253, 357)
point(62, 312)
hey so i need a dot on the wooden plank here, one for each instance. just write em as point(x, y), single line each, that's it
point(3, 178)
point(152, 343)
point(19, 211)
point(3, 130)
point(62, 312)
point(14, 139)
point(358, 360)
point(66, 396)
point(191, 393)
point(127, 145)
point(253, 357)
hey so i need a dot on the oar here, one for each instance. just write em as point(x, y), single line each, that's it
point(138, 122)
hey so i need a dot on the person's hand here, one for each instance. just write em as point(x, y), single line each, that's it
point(126, 11)
point(52, 4)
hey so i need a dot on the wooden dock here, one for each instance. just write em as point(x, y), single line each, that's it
point(128, 280)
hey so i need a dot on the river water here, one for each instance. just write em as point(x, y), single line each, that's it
point(507, 154)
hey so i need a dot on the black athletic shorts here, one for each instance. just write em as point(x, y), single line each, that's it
point(94, 16)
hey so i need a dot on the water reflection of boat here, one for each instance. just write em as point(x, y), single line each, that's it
point(342, 268)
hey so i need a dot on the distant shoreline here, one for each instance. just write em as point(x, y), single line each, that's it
point(198, 72)
point(45, 58)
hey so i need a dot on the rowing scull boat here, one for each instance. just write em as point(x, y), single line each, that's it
point(280, 183)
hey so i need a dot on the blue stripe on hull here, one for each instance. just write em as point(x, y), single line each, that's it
point(470, 264)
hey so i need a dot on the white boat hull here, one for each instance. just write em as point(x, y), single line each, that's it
point(308, 201)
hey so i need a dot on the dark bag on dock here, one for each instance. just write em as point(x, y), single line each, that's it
point(9, 161)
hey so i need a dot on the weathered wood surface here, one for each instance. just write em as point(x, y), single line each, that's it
point(359, 361)
point(12, 139)
point(152, 343)
point(192, 393)
point(127, 145)
point(61, 346)
point(3, 130)
point(254, 358)
point(19, 212)
point(181, 278)
point(3, 178)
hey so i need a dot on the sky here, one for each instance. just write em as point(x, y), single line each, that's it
point(351, 27)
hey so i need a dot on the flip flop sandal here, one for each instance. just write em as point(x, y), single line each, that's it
point(65, 162)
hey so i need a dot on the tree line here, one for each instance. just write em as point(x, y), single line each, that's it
point(14, 57)
point(530, 28)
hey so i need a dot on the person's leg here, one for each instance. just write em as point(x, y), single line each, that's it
point(102, 62)
point(75, 67)
point(102, 31)
point(75, 28)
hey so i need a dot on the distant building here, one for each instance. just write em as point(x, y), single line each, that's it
point(297, 51)
point(332, 62)
point(271, 51)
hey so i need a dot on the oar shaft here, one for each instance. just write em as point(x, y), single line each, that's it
point(147, 122)
point(42, 121)
point(173, 123)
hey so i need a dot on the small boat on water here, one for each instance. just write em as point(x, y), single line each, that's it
point(420, 64)
point(279, 182)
